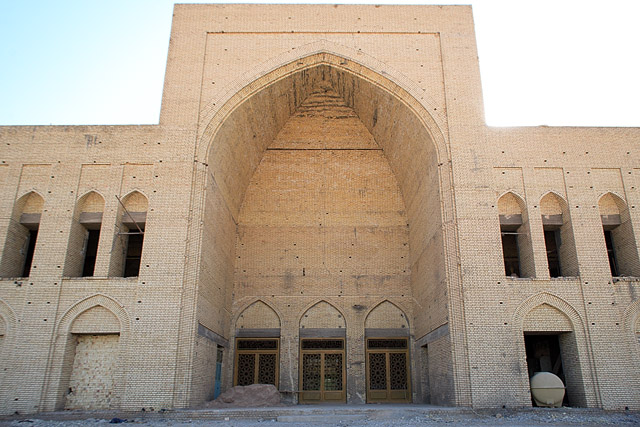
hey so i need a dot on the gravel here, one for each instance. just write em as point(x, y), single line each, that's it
point(378, 417)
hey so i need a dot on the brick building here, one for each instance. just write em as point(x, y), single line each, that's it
point(321, 207)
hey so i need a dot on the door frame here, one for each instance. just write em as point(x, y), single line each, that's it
point(257, 352)
point(408, 396)
point(322, 352)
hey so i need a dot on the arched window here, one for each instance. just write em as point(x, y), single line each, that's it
point(132, 220)
point(558, 236)
point(619, 237)
point(514, 230)
point(22, 235)
point(85, 235)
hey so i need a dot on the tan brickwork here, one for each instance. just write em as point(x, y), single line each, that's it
point(258, 316)
point(386, 315)
point(322, 315)
point(550, 317)
point(91, 383)
point(97, 319)
point(317, 168)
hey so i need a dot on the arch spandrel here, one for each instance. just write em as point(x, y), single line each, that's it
point(31, 202)
point(97, 319)
point(552, 301)
point(224, 143)
point(92, 201)
point(511, 204)
point(322, 315)
point(304, 57)
point(386, 315)
point(258, 316)
point(546, 318)
point(552, 204)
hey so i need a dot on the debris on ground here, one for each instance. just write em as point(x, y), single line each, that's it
point(251, 396)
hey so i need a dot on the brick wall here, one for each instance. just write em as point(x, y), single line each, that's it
point(388, 182)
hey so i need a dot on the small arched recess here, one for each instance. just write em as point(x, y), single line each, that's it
point(558, 236)
point(20, 244)
point(515, 235)
point(620, 240)
point(551, 338)
point(88, 364)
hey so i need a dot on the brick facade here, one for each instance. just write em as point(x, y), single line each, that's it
point(318, 171)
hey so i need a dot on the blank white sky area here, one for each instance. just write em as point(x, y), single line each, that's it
point(545, 62)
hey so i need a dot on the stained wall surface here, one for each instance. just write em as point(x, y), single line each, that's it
point(318, 161)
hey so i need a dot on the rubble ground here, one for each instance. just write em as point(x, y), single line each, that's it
point(306, 416)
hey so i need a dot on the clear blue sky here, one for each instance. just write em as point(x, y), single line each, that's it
point(554, 62)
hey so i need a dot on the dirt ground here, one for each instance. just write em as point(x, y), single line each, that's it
point(305, 416)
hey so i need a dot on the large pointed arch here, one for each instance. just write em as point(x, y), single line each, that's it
point(235, 132)
point(266, 93)
point(311, 55)
point(115, 307)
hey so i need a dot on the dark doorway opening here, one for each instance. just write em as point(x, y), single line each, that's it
point(510, 251)
point(544, 355)
point(90, 252)
point(611, 253)
point(31, 248)
point(552, 243)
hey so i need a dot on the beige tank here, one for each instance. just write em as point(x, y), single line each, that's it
point(547, 389)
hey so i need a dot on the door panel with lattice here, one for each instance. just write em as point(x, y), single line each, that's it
point(256, 362)
point(388, 371)
point(322, 371)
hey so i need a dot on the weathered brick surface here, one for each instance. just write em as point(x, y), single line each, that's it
point(321, 167)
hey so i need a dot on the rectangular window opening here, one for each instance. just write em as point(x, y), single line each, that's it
point(510, 252)
point(31, 247)
point(552, 242)
point(90, 252)
point(613, 264)
point(133, 253)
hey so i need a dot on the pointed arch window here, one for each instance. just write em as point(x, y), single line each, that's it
point(20, 246)
point(619, 237)
point(558, 236)
point(517, 252)
point(132, 224)
point(85, 235)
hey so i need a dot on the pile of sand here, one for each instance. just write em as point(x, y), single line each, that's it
point(247, 397)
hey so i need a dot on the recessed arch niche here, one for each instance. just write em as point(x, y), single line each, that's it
point(401, 165)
